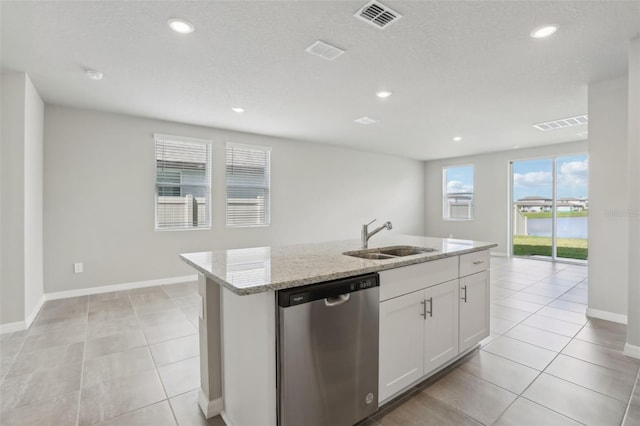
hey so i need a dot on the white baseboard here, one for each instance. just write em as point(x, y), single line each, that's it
point(632, 350)
point(210, 408)
point(12, 327)
point(499, 254)
point(35, 311)
point(227, 420)
point(23, 325)
point(119, 287)
point(606, 315)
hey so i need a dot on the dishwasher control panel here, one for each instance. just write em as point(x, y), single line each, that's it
point(309, 293)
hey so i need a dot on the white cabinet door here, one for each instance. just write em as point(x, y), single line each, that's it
point(401, 343)
point(441, 325)
point(474, 309)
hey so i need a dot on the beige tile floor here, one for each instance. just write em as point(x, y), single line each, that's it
point(124, 358)
point(131, 358)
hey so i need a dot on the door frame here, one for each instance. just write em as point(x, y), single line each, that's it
point(554, 211)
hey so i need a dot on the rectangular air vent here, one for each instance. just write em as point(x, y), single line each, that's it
point(378, 15)
point(324, 50)
point(562, 123)
point(366, 120)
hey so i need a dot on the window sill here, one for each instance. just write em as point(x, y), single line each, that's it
point(182, 229)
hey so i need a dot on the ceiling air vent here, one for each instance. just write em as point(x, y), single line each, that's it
point(378, 15)
point(562, 123)
point(324, 50)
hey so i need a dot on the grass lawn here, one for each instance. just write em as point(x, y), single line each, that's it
point(547, 215)
point(571, 248)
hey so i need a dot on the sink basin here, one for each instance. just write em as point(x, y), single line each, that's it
point(374, 255)
point(388, 252)
point(405, 251)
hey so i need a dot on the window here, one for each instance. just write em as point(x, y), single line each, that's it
point(183, 179)
point(457, 193)
point(248, 185)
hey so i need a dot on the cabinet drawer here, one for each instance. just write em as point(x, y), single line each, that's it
point(407, 279)
point(472, 263)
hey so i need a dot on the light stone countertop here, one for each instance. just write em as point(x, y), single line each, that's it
point(259, 269)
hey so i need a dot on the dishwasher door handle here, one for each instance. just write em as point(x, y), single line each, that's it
point(338, 300)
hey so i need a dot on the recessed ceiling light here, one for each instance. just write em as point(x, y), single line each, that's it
point(515, 147)
point(94, 75)
point(366, 120)
point(383, 94)
point(180, 26)
point(544, 31)
point(457, 138)
point(237, 109)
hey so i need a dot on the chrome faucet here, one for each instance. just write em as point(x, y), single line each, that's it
point(366, 234)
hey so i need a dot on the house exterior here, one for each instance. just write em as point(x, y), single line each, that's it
point(542, 204)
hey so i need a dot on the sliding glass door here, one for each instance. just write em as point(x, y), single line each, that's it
point(550, 207)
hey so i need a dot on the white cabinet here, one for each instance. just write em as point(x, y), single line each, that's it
point(474, 309)
point(401, 343)
point(429, 316)
point(475, 262)
point(441, 324)
point(418, 333)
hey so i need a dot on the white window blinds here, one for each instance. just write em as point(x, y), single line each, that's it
point(183, 180)
point(248, 172)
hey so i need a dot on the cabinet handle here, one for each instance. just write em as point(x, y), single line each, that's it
point(424, 309)
point(430, 311)
point(478, 262)
point(465, 294)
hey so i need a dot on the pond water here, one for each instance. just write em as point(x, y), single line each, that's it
point(568, 227)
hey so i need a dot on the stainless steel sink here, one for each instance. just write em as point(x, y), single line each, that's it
point(388, 252)
point(374, 255)
point(405, 251)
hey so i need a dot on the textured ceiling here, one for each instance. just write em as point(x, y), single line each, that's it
point(455, 68)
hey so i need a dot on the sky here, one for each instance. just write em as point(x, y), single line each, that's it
point(535, 177)
point(459, 179)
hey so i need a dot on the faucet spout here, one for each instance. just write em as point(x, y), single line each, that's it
point(366, 234)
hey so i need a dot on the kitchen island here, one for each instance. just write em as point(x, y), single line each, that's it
point(238, 322)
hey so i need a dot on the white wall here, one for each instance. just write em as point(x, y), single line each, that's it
point(12, 273)
point(491, 193)
point(21, 284)
point(633, 329)
point(94, 161)
point(608, 199)
point(33, 199)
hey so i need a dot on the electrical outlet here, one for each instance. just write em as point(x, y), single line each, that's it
point(78, 267)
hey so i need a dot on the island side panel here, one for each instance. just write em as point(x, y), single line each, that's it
point(249, 358)
point(210, 401)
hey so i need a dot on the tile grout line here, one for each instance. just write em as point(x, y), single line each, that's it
point(635, 386)
point(15, 357)
point(568, 381)
point(144, 336)
point(551, 409)
point(540, 372)
point(154, 361)
point(24, 341)
point(84, 351)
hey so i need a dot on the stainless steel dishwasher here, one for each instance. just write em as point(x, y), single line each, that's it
point(328, 352)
